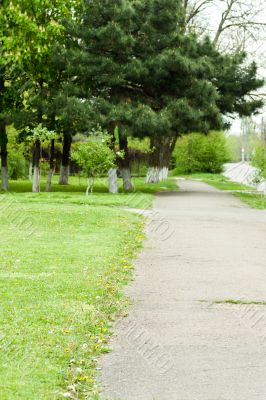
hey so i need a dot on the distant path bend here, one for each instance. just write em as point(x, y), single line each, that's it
point(177, 343)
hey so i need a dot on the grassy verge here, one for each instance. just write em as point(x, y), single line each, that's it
point(141, 197)
point(219, 181)
point(63, 266)
point(254, 200)
point(257, 201)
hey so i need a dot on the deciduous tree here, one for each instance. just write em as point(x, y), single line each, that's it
point(33, 33)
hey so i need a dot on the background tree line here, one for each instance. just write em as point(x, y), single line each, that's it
point(136, 68)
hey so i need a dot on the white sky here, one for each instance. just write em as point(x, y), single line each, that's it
point(256, 47)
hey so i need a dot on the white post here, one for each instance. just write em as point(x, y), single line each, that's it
point(243, 154)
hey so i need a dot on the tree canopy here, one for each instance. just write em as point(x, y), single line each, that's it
point(130, 66)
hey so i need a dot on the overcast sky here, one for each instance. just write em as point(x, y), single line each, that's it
point(256, 48)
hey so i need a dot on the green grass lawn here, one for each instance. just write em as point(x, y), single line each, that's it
point(64, 261)
point(257, 201)
point(243, 192)
point(219, 181)
point(141, 197)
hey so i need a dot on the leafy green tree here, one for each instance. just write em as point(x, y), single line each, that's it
point(259, 160)
point(95, 158)
point(73, 116)
point(36, 137)
point(99, 63)
point(32, 39)
point(3, 134)
point(17, 155)
point(9, 102)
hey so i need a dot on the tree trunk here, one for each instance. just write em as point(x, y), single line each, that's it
point(36, 167)
point(49, 180)
point(90, 186)
point(30, 171)
point(4, 162)
point(163, 173)
point(112, 181)
point(162, 148)
point(155, 162)
point(4, 172)
point(125, 163)
point(64, 175)
point(152, 175)
point(36, 182)
point(51, 170)
point(126, 176)
point(64, 171)
point(112, 173)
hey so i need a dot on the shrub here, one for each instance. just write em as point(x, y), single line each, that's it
point(201, 153)
point(259, 160)
point(94, 158)
point(17, 166)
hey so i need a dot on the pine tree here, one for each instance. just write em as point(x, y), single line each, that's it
point(99, 61)
point(236, 81)
point(199, 71)
point(144, 75)
point(177, 80)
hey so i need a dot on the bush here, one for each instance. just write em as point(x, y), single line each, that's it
point(259, 160)
point(94, 158)
point(201, 153)
point(17, 166)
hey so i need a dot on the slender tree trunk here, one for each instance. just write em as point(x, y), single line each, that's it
point(90, 186)
point(51, 169)
point(37, 148)
point(30, 171)
point(64, 171)
point(4, 161)
point(112, 173)
point(125, 163)
point(4, 168)
point(112, 180)
point(161, 151)
point(36, 166)
point(49, 180)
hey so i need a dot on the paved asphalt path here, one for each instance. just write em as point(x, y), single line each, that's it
point(177, 343)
